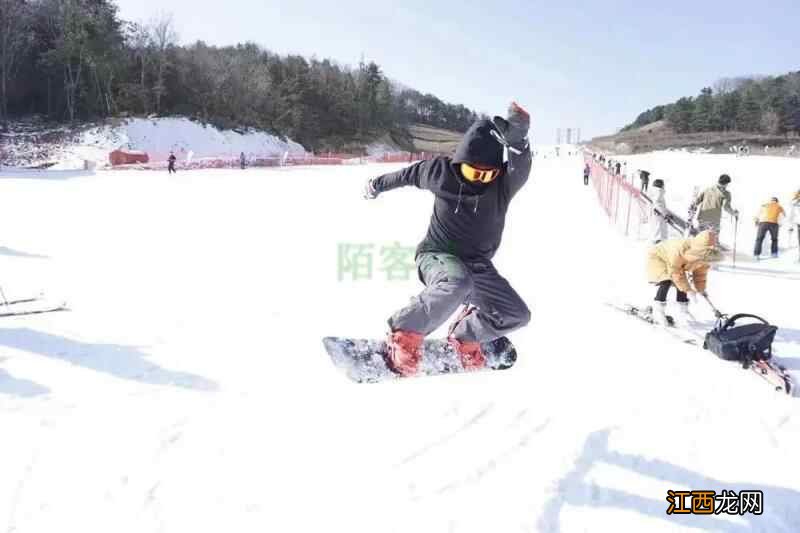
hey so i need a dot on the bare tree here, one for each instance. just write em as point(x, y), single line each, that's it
point(164, 36)
point(15, 37)
point(140, 41)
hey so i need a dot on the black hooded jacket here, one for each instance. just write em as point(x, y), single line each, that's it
point(468, 219)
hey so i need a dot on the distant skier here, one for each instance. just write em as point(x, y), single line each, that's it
point(644, 176)
point(709, 205)
point(171, 163)
point(242, 161)
point(472, 191)
point(618, 168)
point(670, 262)
point(768, 220)
point(660, 215)
point(587, 171)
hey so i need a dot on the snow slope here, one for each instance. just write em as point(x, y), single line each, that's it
point(188, 389)
point(158, 136)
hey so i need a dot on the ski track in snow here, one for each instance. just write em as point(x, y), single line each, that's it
point(188, 390)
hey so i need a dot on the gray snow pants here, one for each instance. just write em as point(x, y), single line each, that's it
point(450, 283)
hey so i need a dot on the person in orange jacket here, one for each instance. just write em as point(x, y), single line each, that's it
point(673, 262)
point(768, 220)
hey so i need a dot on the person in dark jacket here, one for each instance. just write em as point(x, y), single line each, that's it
point(472, 190)
point(171, 163)
point(645, 177)
point(587, 171)
point(242, 161)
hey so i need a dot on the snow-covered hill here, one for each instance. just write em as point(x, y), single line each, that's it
point(188, 389)
point(156, 136)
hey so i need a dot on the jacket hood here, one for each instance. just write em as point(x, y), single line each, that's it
point(703, 248)
point(479, 147)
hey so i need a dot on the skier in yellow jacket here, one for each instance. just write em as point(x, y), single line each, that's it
point(768, 220)
point(672, 262)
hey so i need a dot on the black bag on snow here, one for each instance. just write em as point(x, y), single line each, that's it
point(741, 343)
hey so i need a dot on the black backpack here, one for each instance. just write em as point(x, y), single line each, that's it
point(747, 343)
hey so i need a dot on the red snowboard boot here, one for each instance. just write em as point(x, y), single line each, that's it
point(471, 355)
point(405, 352)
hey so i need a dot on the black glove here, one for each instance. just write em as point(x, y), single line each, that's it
point(515, 127)
point(370, 193)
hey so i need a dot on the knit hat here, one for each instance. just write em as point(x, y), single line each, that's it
point(658, 184)
point(479, 147)
point(724, 179)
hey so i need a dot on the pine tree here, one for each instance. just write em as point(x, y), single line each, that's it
point(680, 115)
point(703, 111)
point(749, 116)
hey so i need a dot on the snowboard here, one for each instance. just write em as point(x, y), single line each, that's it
point(364, 360)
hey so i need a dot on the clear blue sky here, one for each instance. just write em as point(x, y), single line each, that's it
point(593, 66)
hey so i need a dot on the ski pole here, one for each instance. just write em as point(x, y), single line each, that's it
point(3, 294)
point(735, 237)
point(717, 312)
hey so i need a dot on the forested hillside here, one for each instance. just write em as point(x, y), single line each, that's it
point(76, 60)
point(768, 105)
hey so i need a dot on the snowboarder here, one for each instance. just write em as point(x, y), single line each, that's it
point(242, 161)
point(472, 192)
point(644, 176)
point(710, 203)
point(587, 171)
point(660, 215)
point(794, 216)
point(171, 163)
point(768, 220)
point(669, 263)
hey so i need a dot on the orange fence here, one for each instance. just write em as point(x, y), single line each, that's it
point(624, 204)
point(278, 161)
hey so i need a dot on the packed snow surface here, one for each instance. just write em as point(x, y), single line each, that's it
point(188, 389)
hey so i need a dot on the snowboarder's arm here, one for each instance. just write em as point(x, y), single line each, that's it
point(518, 170)
point(415, 175)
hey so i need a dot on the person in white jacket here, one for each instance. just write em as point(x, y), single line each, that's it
point(660, 215)
point(794, 217)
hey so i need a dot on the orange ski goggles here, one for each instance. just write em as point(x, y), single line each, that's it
point(477, 174)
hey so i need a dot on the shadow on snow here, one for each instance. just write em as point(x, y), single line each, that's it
point(124, 362)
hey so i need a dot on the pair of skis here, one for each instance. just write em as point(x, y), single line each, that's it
point(34, 305)
point(767, 369)
point(683, 226)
